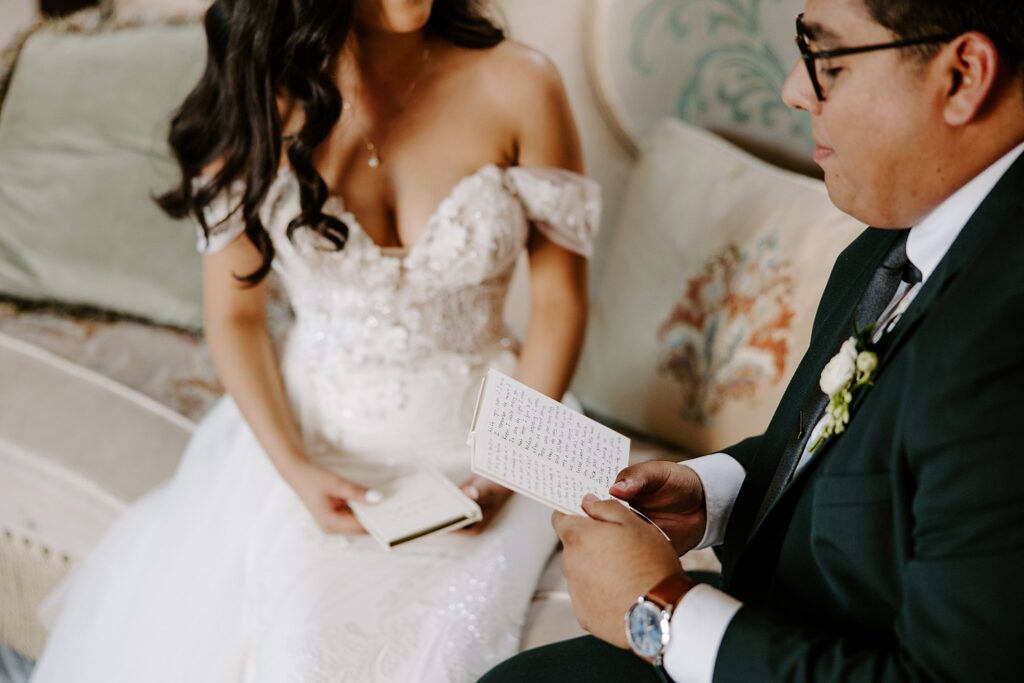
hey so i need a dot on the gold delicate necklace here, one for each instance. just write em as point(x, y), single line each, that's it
point(375, 161)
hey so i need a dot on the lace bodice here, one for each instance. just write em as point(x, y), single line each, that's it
point(443, 295)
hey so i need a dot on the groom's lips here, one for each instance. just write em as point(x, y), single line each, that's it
point(821, 153)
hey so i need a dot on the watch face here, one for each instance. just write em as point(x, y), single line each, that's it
point(644, 628)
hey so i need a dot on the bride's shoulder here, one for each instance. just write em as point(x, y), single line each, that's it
point(525, 90)
point(520, 70)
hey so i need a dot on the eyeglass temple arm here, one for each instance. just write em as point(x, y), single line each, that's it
point(842, 52)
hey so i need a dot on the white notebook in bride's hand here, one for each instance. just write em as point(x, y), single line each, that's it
point(415, 506)
point(536, 446)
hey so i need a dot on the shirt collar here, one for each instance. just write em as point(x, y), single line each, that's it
point(930, 239)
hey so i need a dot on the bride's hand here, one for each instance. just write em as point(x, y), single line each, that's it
point(489, 496)
point(326, 496)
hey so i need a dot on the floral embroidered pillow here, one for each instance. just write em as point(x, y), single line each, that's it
point(705, 306)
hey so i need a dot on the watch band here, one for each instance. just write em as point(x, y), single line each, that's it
point(667, 592)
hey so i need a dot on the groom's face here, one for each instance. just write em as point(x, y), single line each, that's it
point(875, 122)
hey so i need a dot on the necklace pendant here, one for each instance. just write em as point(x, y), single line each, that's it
point(374, 161)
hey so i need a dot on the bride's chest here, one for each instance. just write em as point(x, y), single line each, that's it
point(474, 235)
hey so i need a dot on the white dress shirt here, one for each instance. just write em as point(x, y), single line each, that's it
point(702, 617)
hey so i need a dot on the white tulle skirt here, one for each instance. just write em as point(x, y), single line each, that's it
point(220, 574)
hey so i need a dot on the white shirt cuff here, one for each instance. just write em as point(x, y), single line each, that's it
point(698, 626)
point(722, 476)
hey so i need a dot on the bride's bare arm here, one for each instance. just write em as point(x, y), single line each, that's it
point(545, 135)
point(236, 331)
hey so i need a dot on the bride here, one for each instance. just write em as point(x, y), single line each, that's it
point(388, 159)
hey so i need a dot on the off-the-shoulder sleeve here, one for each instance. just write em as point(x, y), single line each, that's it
point(564, 206)
point(223, 217)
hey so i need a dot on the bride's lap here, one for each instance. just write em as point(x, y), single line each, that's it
point(431, 596)
point(225, 559)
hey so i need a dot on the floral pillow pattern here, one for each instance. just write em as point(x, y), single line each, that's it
point(731, 331)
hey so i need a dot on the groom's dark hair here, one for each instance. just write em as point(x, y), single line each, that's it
point(1001, 20)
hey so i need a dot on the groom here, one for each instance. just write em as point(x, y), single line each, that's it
point(889, 546)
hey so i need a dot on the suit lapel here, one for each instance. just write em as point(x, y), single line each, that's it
point(834, 329)
point(1003, 204)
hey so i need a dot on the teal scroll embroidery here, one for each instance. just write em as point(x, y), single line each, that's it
point(737, 70)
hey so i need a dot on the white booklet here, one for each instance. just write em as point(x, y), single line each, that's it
point(415, 506)
point(536, 446)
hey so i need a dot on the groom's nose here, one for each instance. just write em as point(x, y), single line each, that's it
point(798, 91)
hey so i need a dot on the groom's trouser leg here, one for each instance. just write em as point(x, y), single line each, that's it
point(582, 660)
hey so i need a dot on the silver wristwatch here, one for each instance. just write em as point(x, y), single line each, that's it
point(648, 620)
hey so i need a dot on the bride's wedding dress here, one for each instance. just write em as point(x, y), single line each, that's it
point(221, 575)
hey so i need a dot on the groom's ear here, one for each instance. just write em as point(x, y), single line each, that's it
point(970, 68)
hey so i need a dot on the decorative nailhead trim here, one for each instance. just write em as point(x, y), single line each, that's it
point(44, 551)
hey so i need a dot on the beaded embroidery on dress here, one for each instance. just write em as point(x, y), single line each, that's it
point(221, 575)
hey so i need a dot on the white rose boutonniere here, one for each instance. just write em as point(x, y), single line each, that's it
point(840, 370)
point(846, 374)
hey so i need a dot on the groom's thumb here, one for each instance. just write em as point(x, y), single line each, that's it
point(644, 478)
point(630, 482)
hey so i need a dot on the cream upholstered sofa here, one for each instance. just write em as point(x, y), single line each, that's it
point(96, 407)
point(713, 264)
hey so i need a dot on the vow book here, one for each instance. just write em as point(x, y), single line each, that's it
point(536, 446)
point(415, 506)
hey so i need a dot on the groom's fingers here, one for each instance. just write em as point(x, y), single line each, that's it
point(606, 510)
point(570, 527)
point(562, 524)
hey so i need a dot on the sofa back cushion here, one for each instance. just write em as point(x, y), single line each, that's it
point(82, 150)
point(150, 10)
point(706, 302)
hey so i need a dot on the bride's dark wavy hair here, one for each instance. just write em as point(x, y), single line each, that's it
point(256, 51)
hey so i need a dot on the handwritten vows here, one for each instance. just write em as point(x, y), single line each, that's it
point(540, 448)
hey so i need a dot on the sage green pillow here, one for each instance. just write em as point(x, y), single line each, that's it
point(82, 151)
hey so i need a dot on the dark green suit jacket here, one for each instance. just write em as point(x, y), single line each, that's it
point(897, 552)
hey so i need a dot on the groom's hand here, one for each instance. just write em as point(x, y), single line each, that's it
point(610, 559)
point(671, 495)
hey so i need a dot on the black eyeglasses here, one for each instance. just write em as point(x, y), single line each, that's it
point(822, 74)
